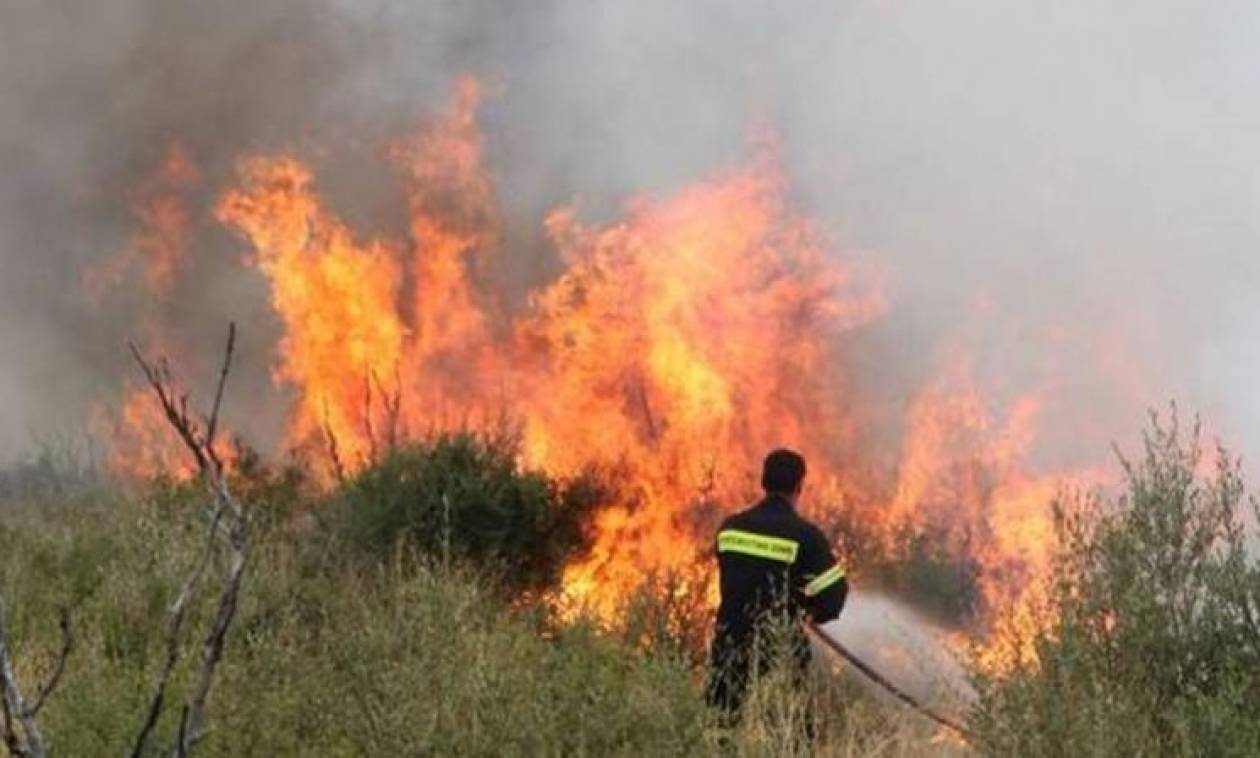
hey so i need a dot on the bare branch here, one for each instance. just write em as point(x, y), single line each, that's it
point(181, 740)
point(175, 409)
point(7, 734)
point(368, 377)
point(59, 668)
point(192, 720)
point(640, 389)
point(334, 454)
point(175, 624)
point(193, 728)
point(31, 743)
point(212, 425)
point(393, 408)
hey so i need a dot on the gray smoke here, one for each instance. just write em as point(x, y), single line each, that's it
point(1064, 189)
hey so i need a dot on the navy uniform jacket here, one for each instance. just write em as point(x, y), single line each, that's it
point(770, 560)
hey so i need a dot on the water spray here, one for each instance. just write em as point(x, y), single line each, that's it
point(870, 673)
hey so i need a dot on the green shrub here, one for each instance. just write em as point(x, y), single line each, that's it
point(328, 657)
point(464, 497)
point(1153, 645)
point(331, 656)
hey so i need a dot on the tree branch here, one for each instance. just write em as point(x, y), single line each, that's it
point(334, 454)
point(7, 735)
point(192, 726)
point(59, 668)
point(176, 410)
point(31, 743)
point(393, 408)
point(212, 424)
point(368, 378)
point(175, 624)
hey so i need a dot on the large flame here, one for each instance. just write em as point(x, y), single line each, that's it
point(336, 298)
point(680, 343)
point(141, 444)
point(683, 343)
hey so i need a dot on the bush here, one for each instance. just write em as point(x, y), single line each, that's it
point(332, 656)
point(930, 566)
point(463, 497)
point(924, 566)
point(328, 658)
point(670, 613)
point(1152, 644)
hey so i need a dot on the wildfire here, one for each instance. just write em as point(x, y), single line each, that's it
point(140, 445)
point(680, 343)
point(965, 474)
point(336, 298)
point(160, 207)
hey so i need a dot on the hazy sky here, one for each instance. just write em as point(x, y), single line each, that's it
point(1066, 189)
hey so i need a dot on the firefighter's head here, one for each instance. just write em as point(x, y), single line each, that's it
point(783, 473)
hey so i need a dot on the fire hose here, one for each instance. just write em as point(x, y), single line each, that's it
point(879, 679)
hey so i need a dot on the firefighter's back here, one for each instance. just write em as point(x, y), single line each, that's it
point(772, 564)
point(757, 557)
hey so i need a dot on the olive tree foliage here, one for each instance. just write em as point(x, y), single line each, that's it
point(1152, 640)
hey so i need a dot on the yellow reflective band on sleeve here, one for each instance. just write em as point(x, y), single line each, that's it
point(823, 581)
point(757, 545)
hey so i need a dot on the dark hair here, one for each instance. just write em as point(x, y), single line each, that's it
point(783, 471)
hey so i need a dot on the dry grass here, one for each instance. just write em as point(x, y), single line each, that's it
point(333, 655)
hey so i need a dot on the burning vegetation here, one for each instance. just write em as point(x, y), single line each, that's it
point(675, 345)
point(514, 342)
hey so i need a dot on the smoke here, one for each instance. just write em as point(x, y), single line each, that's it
point(1062, 192)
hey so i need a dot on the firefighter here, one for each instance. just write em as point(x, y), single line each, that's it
point(774, 567)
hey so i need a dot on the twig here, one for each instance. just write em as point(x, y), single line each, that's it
point(393, 408)
point(641, 395)
point(368, 377)
point(213, 424)
point(334, 454)
point(175, 409)
point(59, 668)
point(7, 734)
point(175, 623)
point(31, 743)
point(192, 727)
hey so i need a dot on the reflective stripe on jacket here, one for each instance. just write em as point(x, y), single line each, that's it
point(770, 557)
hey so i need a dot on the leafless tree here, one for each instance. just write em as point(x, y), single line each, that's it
point(228, 529)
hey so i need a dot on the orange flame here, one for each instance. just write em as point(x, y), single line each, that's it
point(142, 445)
point(336, 297)
point(682, 342)
point(160, 206)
